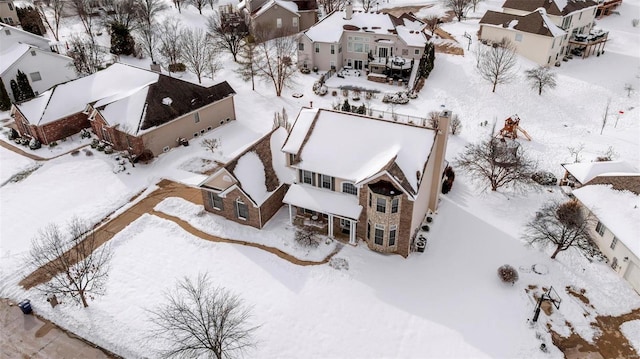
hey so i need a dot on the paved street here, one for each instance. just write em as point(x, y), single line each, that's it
point(26, 336)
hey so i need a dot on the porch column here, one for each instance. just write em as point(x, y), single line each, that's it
point(290, 214)
point(352, 232)
point(330, 220)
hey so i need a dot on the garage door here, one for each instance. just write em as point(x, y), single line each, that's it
point(633, 276)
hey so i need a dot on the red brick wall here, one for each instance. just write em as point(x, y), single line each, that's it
point(117, 138)
point(53, 131)
point(273, 204)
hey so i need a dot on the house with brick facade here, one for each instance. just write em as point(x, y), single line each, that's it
point(614, 201)
point(372, 41)
point(545, 31)
point(359, 177)
point(249, 188)
point(44, 69)
point(129, 108)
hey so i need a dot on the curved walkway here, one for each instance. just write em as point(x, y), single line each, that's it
point(167, 189)
point(20, 151)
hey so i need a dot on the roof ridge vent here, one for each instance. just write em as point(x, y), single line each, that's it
point(167, 101)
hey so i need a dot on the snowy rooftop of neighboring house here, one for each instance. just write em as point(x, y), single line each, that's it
point(323, 200)
point(586, 171)
point(358, 146)
point(11, 54)
point(536, 22)
point(553, 7)
point(330, 28)
point(619, 211)
point(288, 5)
point(133, 98)
point(24, 37)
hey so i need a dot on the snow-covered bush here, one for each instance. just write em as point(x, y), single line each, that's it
point(34, 144)
point(108, 150)
point(53, 144)
point(307, 238)
point(94, 143)
point(339, 263)
point(84, 133)
point(508, 274)
point(12, 134)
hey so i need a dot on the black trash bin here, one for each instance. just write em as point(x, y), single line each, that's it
point(25, 306)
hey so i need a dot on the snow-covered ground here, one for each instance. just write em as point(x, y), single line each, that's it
point(447, 302)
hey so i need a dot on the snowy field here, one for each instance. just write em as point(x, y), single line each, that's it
point(447, 302)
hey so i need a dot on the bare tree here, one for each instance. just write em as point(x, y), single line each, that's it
point(123, 13)
point(178, 5)
point(605, 115)
point(149, 9)
point(629, 88)
point(212, 3)
point(53, 21)
point(367, 4)
point(575, 152)
point(432, 22)
point(200, 320)
point(307, 238)
point(497, 64)
point(211, 144)
point(331, 5)
point(248, 58)
point(540, 78)
point(276, 65)
point(197, 53)
point(456, 125)
point(475, 3)
point(169, 44)
point(82, 9)
point(149, 37)
point(563, 226)
point(498, 162)
point(86, 55)
point(226, 35)
point(458, 7)
point(73, 261)
point(199, 4)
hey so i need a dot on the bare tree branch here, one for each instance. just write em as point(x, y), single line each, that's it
point(497, 64)
point(276, 65)
point(540, 78)
point(197, 53)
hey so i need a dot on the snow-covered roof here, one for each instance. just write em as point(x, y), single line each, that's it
point(358, 146)
point(586, 171)
point(131, 98)
point(619, 211)
point(535, 22)
point(553, 7)
point(323, 200)
point(251, 174)
point(330, 28)
point(288, 5)
point(73, 97)
point(23, 37)
point(11, 54)
point(411, 37)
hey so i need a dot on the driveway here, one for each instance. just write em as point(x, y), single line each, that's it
point(28, 336)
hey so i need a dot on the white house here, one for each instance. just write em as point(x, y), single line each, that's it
point(8, 13)
point(44, 69)
point(362, 40)
point(10, 36)
point(617, 230)
point(582, 173)
point(545, 31)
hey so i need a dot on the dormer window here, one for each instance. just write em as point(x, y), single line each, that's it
point(33, 53)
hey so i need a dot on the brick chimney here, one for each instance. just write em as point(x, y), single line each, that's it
point(439, 152)
point(348, 9)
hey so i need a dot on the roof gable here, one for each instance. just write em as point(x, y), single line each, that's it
point(359, 147)
point(584, 172)
point(533, 23)
point(552, 7)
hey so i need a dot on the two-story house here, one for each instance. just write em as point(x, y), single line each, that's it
point(10, 35)
point(614, 201)
point(8, 14)
point(544, 31)
point(273, 18)
point(43, 68)
point(370, 41)
point(348, 176)
point(130, 108)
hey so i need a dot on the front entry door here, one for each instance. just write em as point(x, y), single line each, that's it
point(357, 64)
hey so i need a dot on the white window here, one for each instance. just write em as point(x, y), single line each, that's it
point(196, 117)
point(333, 49)
point(10, 6)
point(349, 188)
point(326, 182)
point(196, 134)
point(216, 201)
point(6, 31)
point(614, 263)
point(295, 22)
point(381, 205)
point(307, 177)
point(518, 37)
point(300, 46)
point(35, 76)
point(600, 228)
point(33, 53)
point(317, 48)
point(242, 211)
point(394, 205)
point(393, 230)
point(379, 234)
point(279, 23)
point(613, 243)
point(416, 52)
point(553, 44)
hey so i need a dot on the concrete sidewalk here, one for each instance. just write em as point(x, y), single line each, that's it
point(27, 336)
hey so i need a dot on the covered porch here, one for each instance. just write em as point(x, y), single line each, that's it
point(333, 213)
point(588, 44)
